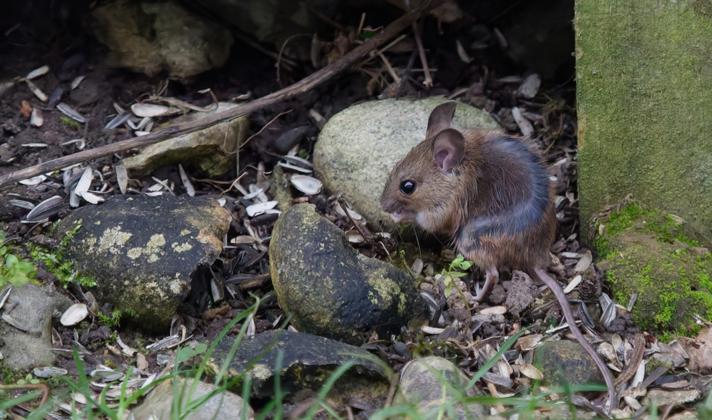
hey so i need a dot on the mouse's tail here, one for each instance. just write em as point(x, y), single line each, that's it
point(553, 285)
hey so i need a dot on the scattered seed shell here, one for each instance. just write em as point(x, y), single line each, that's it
point(573, 283)
point(153, 110)
point(294, 168)
point(48, 372)
point(39, 71)
point(530, 86)
point(117, 121)
point(36, 91)
point(36, 119)
point(306, 184)
point(260, 208)
point(530, 371)
point(74, 315)
point(494, 310)
point(71, 113)
point(355, 238)
point(35, 180)
point(44, 209)
point(522, 122)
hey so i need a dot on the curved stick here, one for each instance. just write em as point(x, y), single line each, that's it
point(569, 316)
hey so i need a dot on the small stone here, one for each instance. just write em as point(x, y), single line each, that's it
point(212, 151)
point(222, 405)
point(566, 362)
point(424, 382)
point(26, 327)
point(678, 397)
point(328, 287)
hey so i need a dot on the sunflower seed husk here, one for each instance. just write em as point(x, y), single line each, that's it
point(71, 113)
point(45, 209)
point(462, 53)
point(92, 198)
point(122, 177)
point(294, 168)
point(21, 204)
point(85, 181)
point(48, 372)
point(35, 180)
point(74, 315)
point(260, 208)
point(306, 184)
point(153, 110)
point(35, 145)
point(573, 284)
point(36, 119)
point(530, 371)
point(36, 91)
point(117, 121)
point(522, 122)
point(530, 86)
point(76, 82)
point(189, 189)
point(81, 143)
point(39, 71)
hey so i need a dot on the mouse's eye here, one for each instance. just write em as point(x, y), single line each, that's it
point(407, 187)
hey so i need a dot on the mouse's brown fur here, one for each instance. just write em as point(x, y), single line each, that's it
point(491, 194)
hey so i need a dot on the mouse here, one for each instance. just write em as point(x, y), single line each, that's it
point(491, 194)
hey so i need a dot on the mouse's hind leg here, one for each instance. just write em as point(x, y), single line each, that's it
point(491, 278)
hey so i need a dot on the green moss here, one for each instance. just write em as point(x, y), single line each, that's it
point(14, 269)
point(648, 253)
point(69, 123)
point(643, 103)
point(55, 261)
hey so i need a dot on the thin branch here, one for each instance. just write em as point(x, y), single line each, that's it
point(428, 82)
point(288, 92)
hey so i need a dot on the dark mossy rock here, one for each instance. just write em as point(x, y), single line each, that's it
point(566, 363)
point(429, 382)
point(142, 251)
point(328, 287)
point(307, 361)
point(648, 253)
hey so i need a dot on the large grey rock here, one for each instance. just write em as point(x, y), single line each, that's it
point(162, 36)
point(307, 361)
point(142, 251)
point(358, 147)
point(328, 287)
point(26, 327)
point(222, 405)
point(212, 151)
point(429, 382)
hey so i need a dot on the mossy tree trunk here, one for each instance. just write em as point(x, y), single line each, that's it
point(644, 94)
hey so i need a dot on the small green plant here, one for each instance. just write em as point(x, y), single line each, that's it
point(456, 269)
point(14, 270)
point(56, 263)
point(69, 123)
point(111, 320)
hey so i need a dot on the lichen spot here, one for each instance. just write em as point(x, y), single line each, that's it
point(134, 253)
point(178, 248)
point(185, 232)
point(261, 371)
point(384, 290)
point(177, 286)
point(154, 247)
point(113, 239)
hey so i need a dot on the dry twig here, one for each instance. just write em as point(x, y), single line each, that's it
point(302, 86)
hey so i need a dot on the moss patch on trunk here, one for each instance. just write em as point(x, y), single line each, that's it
point(647, 252)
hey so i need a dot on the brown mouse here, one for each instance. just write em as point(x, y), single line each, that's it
point(491, 194)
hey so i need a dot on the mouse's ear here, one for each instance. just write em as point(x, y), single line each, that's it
point(440, 118)
point(448, 149)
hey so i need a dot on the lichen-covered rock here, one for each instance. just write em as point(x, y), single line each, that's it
point(212, 151)
point(328, 287)
point(647, 252)
point(566, 362)
point(161, 36)
point(159, 403)
point(643, 73)
point(307, 361)
point(26, 327)
point(358, 147)
point(142, 251)
point(429, 382)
